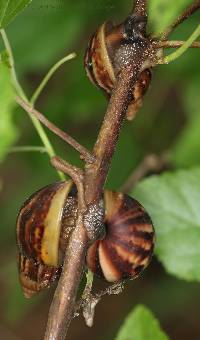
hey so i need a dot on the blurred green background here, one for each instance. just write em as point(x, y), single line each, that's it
point(169, 121)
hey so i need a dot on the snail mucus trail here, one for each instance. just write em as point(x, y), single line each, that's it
point(45, 223)
point(114, 46)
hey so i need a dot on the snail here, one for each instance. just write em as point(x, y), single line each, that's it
point(45, 223)
point(110, 48)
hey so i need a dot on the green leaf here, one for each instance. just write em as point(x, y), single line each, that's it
point(163, 12)
point(172, 200)
point(8, 131)
point(9, 9)
point(141, 325)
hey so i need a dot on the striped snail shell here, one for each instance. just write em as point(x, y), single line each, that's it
point(128, 246)
point(45, 223)
point(110, 48)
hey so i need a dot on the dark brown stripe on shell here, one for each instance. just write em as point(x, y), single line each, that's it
point(132, 248)
point(144, 235)
point(122, 267)
point(36, 276)
point(89, 63)
point(125, 209)
point(132, 222)
point(95, 67)
point(31, 214)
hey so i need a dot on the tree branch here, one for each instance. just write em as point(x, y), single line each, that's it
point(172, 56)
point(86, 155)
point(90, 188)
point(186, 14)
point(49, 74)
point(151, 163)
point(175, 44)
point(62, 308)
point(96, 173)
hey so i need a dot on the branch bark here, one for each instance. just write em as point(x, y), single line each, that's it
point(96, 173)
point(62, 308)
point(140, 7)
point(175, 44)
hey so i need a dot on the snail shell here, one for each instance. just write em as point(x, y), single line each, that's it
point(44, 225)
point(109, 49)
point(128, 246)
point(46, 221)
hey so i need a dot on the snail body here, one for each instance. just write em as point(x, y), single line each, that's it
point(46, 221)
point(110, 49)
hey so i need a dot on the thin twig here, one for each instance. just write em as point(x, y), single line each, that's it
point(86, 155)
point(150, 163)
point(86, 302)
point(49, 75)
point(171, 57)
point(27, 148)
point(75, 173)
point(175, 44)
point(89, 301)
point(186, 14)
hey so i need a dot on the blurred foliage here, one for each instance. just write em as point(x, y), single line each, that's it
point(40, 35)
point(8, 131)
point(163, 13)
point(186, 149)
point(141, 325)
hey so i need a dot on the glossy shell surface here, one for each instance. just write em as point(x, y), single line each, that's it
point(100, 64)
point(44, 225)
point(128, 246)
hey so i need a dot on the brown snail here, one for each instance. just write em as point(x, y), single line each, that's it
point(113, 46)
point(44, 225)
